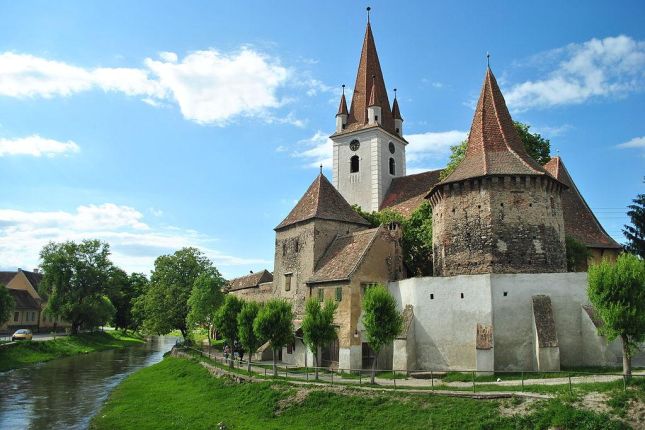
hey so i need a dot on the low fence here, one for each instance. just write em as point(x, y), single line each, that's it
point(462, 380)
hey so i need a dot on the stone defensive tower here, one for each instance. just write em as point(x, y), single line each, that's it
point(369, 148)
point(499, 211)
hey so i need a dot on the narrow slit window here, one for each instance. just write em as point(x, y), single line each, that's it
point(287, 281)
point(339, 294)
point(354, 167)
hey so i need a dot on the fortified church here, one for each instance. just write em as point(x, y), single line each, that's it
point(500, 297)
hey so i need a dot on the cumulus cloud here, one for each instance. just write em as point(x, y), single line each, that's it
point(36, 146)
point(432, 144)
point(134, 243)
point(612, 66)
point(315, 150)
point(635, 143)
point(210, 87)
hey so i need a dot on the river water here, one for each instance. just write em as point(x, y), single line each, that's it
point(66, 393)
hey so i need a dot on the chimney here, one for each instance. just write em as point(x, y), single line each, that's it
point(36, 270)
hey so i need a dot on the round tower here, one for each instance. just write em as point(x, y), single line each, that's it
point(499, 211)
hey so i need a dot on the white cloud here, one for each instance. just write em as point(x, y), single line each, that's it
point(612, 66)
point(434, 145)
point(316, 150)
point(209, 87)
point(637, 142)
point(36, 146)
point(134, 244)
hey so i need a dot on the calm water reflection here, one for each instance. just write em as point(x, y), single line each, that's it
point(66, 393)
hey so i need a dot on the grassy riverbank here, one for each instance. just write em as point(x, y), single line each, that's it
point(24, 354)
point(201, 401)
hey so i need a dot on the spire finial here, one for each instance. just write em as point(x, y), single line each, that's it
point(343, 88)
point(368, 14)
point(394, 93)
point(488, 59)
point(321, 168)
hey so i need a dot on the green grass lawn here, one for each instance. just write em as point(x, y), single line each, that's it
point(180, 393)
point(25, 353)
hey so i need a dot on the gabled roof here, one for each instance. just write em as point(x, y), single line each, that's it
point(33, 278)
point(252, 280)
point(23, 299)
point(344, 256)
point(322, 201)
point(579, 220)
point(6, 277)
point(494, 146)
point(369, 73)
point(406, 193)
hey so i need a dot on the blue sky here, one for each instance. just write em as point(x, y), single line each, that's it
point(157, 125)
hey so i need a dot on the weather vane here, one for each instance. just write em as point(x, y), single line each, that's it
point(343, 88)
point(488, 58)
point(394, 92)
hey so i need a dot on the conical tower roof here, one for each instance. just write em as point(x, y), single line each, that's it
point(396, 112)
point(494, 146)
point(369, 74)
point(322, 201)
point(342, 107)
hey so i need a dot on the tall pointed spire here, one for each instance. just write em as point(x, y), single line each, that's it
point(396, 112)
point(369, 75)
point(494, 146)
point(342, 107)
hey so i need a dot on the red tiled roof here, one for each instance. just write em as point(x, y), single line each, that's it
point(396, 112)
point(322, 201)
point(342, 107)
point(368, 67)
point(579, 220)
point(406, 193)
point(252, 280)
point(343, 256)
point(23, 299)
point(494, 146)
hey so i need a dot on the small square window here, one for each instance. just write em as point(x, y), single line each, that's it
point(431, 296)
point(505, 293)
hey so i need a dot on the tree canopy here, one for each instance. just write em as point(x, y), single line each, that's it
point(171, 283)
point(381, 319)
point(226, 319)
point(76, 280)
point(275, 324)
point(6, 304)
point(635, 233)
point(577, 255)
point(245, 332)
point(318, 326)
point(205, 298)
point(617, 292)
point(537, 147)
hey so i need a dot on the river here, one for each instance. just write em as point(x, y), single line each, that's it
point(66, 393)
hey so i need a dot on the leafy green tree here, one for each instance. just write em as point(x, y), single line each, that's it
point(76, 278)
point(249, 340)
point(577, 255)
point(226, 320)
point(318, 326)
point(139, 284)
point(617, 292)
point(120, 294)
point(171, 283)
point(275, 324)
point(205, 297)
point(381, 320)
point(6, 304)
point(635, 233)
point(536, 146)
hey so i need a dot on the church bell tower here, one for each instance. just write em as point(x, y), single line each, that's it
point(369, 148)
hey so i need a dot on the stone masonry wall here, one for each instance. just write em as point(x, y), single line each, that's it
point(498, 225)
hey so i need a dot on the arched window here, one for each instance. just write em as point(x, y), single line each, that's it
point(392, 166)
point(353, 168)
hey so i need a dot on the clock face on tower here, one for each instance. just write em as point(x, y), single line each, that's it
point(391, 147)
point(354, 145)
